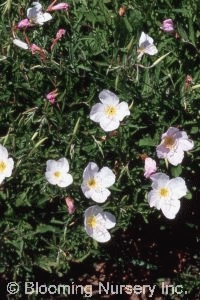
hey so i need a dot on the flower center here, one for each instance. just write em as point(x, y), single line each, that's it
point(2, 166)
point(164, 192)
point(169, 142)
point(110, 111)
point(92, 183)
point(91, 221)
point(57, 174)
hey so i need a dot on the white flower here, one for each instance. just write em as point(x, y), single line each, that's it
point(57, 172)
point(35, 14)
point(96, 182)
point(97, 222)
point(174, 143)
point(146, 46)
point(6, 164)
point(110, 112)
point(166, 194)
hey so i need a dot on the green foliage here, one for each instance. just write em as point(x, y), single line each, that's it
point(99, 51)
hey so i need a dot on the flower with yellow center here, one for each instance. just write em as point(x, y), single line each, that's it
point(173, 145)
point(97, 222)
point(57, 172)
point(166, 193)
point(95, 182)
point(110, 112)
point(6, 164)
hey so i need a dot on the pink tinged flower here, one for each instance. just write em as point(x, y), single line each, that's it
point(149, 167)
point(51, 97)
point(70, 205)
point(97, 222)
point(166, 193)
point(167, 25)
point(174, 143)
point(96, 182)
point(109, 112)
point(59, 6)
point(24, 24)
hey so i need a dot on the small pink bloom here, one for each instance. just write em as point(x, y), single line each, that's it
point(24, 24)
point(59, 6)
point(174, 143)
point(167, 25)
point(38, 50)
point(59, 35)
point(51, 97)
point(70, 205)
point(149, 167)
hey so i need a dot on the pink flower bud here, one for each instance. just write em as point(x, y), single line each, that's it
point(167, 25)
point(59, 6)
point(38, 50)
point(149, 167)
point(70, 205)
point(60, 33)
point(51, 97)
point(24, 24)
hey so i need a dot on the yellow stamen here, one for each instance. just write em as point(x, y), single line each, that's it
point(92, 183)
point(2, 166)
point(164, 192)
point(57, 174)
point(169, 142)
point(110, 110)
point(91, 221)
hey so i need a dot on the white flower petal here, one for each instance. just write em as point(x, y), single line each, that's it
point(171, 208)
point(175, 157)
point(108, 97)
point(108, 124)
point(93, 210)
point(97, 112)
point(100, 234)
point(122, 110)
point(90, 170)
point(178, 187)
point(99, 195)
point(42, 18)
point(3, 152)
point(159, 180)
point(186, 144)
point(65, 181)
point(106, 177)
point(154, 199)
point(151, 50)
point(110, 220)
point(10, 165)
point(63, 164)
point(20, 44)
